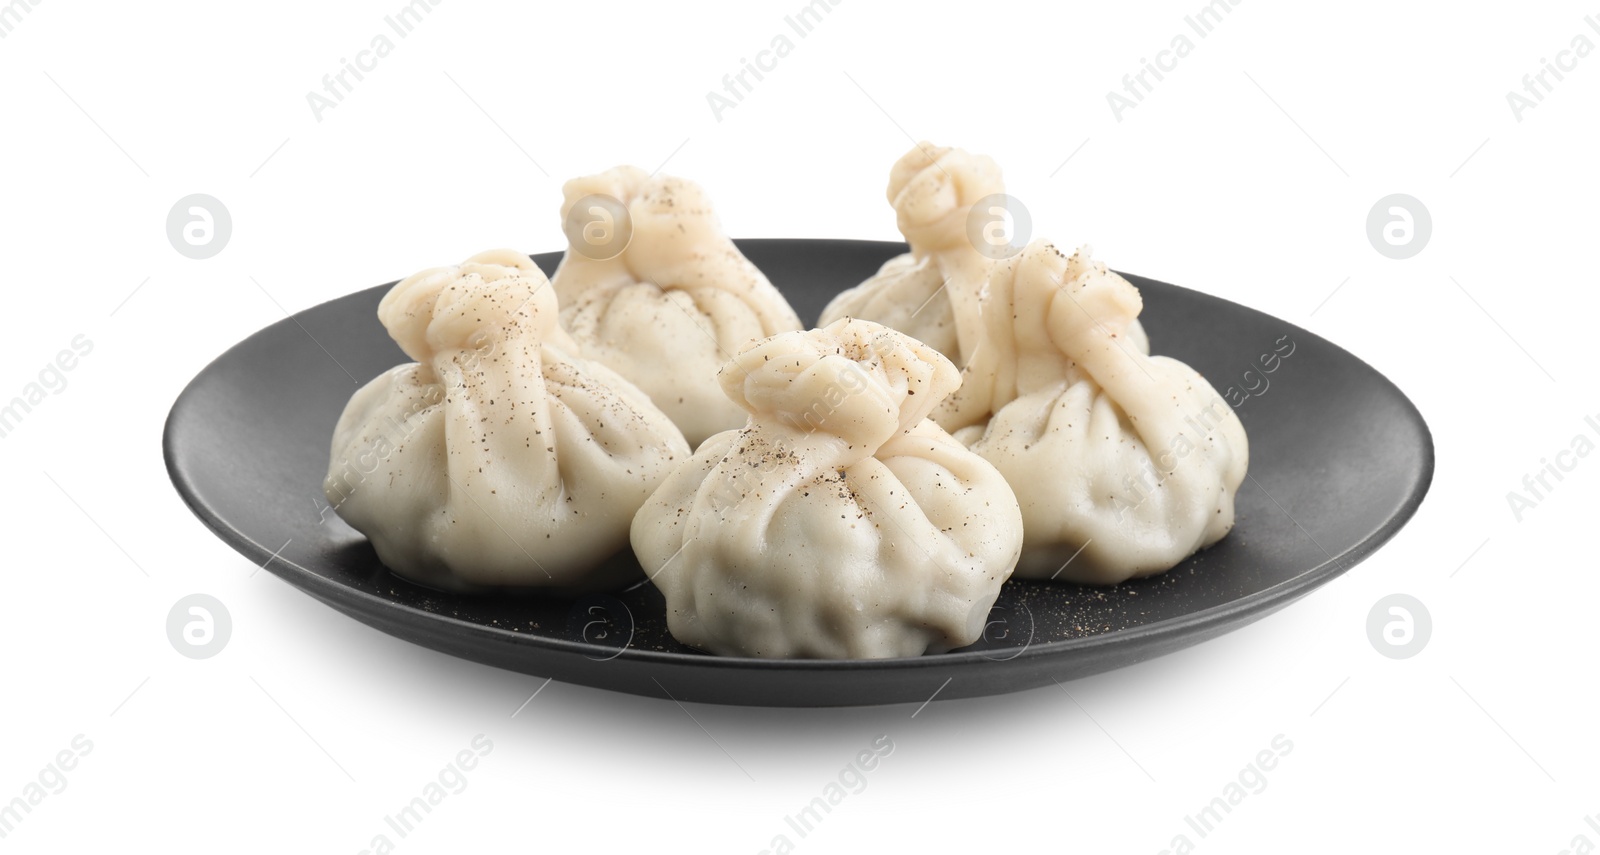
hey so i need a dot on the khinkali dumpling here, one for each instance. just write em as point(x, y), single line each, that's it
point(839, 522)
point(498, 458)
point(1127, 461)
point(653, 288)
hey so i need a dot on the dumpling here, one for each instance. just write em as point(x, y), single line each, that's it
point(930, 293)
point(652, 287)
point(933, 293)
point(498, 458)
point(839, 522)
point(1124, 463)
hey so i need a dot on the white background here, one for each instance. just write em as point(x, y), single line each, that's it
point(1247, 173)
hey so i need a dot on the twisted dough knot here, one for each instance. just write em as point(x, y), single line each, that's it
point(932, 188)
point(448, 308)
point(621, 183)
point(1088, 297)
point(670, 221)
point(859, 381)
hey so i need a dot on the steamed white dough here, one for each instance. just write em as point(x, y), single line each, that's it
point(498, 458)
point(840, 522)
point(1124, 463)
point(933, 292)
point(669, 308)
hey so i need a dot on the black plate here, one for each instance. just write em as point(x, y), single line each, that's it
point(1339, 461)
